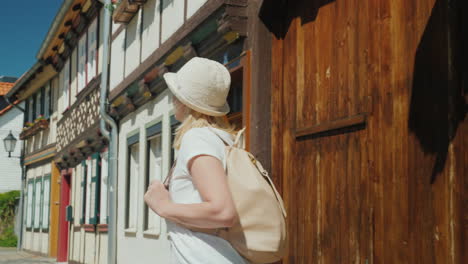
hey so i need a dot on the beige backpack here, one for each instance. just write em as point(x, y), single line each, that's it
point(260, 234)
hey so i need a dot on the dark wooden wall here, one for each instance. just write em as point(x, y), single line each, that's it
point(369, 135)
point(259, 44)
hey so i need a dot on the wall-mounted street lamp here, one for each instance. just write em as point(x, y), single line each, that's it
point(9, 143)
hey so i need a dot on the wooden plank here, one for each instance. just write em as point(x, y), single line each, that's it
point(333, 125)
point(258, 76)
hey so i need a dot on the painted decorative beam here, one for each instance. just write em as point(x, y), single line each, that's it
point(125, 12)
point(189, 51)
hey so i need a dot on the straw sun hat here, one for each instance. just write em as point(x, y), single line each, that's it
point(202, 85)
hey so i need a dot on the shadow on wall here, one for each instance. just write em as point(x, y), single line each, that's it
point(273, 12)
point(437, 101)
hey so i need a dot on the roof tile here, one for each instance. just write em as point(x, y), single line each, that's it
point(5, 87)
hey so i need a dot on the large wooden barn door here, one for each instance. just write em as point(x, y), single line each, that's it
point(367, 131)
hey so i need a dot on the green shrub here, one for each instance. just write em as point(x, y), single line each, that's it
point(7, 218)
point(8, 238)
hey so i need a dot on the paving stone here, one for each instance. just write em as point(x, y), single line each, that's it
point(11, 256)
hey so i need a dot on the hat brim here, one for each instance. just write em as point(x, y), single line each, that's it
point(173, 84)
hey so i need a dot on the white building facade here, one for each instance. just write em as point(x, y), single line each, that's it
point(161, 36)
point(10, 168)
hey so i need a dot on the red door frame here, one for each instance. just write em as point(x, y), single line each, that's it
point(65, 186)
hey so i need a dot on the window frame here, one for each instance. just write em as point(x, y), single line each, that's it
point(44, 227)
point(66, 89)
point(83, 38)
point(133, 140)
point(30, 213)
point(153, 130)
point(90, 77)
point(104, 199)
point(47, 100)
point(36, 193)
point(84, 172)
point(95, 188)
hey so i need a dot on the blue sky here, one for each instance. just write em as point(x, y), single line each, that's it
point(23, 27)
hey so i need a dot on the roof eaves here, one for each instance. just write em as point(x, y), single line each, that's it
point(25, 77)
point(54, 27)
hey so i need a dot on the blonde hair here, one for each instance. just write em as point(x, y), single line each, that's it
point(194, 119)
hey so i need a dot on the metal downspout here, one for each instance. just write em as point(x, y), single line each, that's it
point(20, 239)
point(111, 136)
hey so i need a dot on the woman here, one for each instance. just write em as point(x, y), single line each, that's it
point(198, 195)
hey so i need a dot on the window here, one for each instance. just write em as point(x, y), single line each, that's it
point(34, 112)
point(94, 189)
point(66, 85)
point(174, 125)
point(42, 101)
point(84, 172)
point(92, 51)
point(82, 62)
point(132, 181)
point(104, 174)
point(30, 200)
point(90, 189)
point(154, 163)
point(47, 101)
point(38, 104)
point(235, 97)
point(28, 110)
point(89, 175)
point(46, 203)
point(37, 203)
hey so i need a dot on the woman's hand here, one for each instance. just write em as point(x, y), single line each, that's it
point(157, 197)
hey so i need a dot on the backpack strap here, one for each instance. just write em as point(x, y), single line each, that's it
point(270, 181)
point(168, 179)
point(238, 137)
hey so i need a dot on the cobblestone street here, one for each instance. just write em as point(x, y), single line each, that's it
point(10, 255)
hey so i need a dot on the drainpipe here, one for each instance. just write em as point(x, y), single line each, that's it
point(23, 178)
point(111, 136)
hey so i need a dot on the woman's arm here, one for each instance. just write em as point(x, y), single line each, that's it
point(217, 209)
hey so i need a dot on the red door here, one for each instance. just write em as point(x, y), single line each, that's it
point(63, 224)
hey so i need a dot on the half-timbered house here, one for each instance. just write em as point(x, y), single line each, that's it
point(72, 48)
point(149, 39)
point(37, 88)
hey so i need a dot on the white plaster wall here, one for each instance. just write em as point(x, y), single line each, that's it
point(193, 6)
point(172, 17)
point(136, 246)
point(10, 169)
point(90, 247)
point(27, 241)
point(132, 44)
point(102, 238)
point(117, 60)
point(45, 243)
point(36, 241)
point(115, 26)
point(151, 23)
